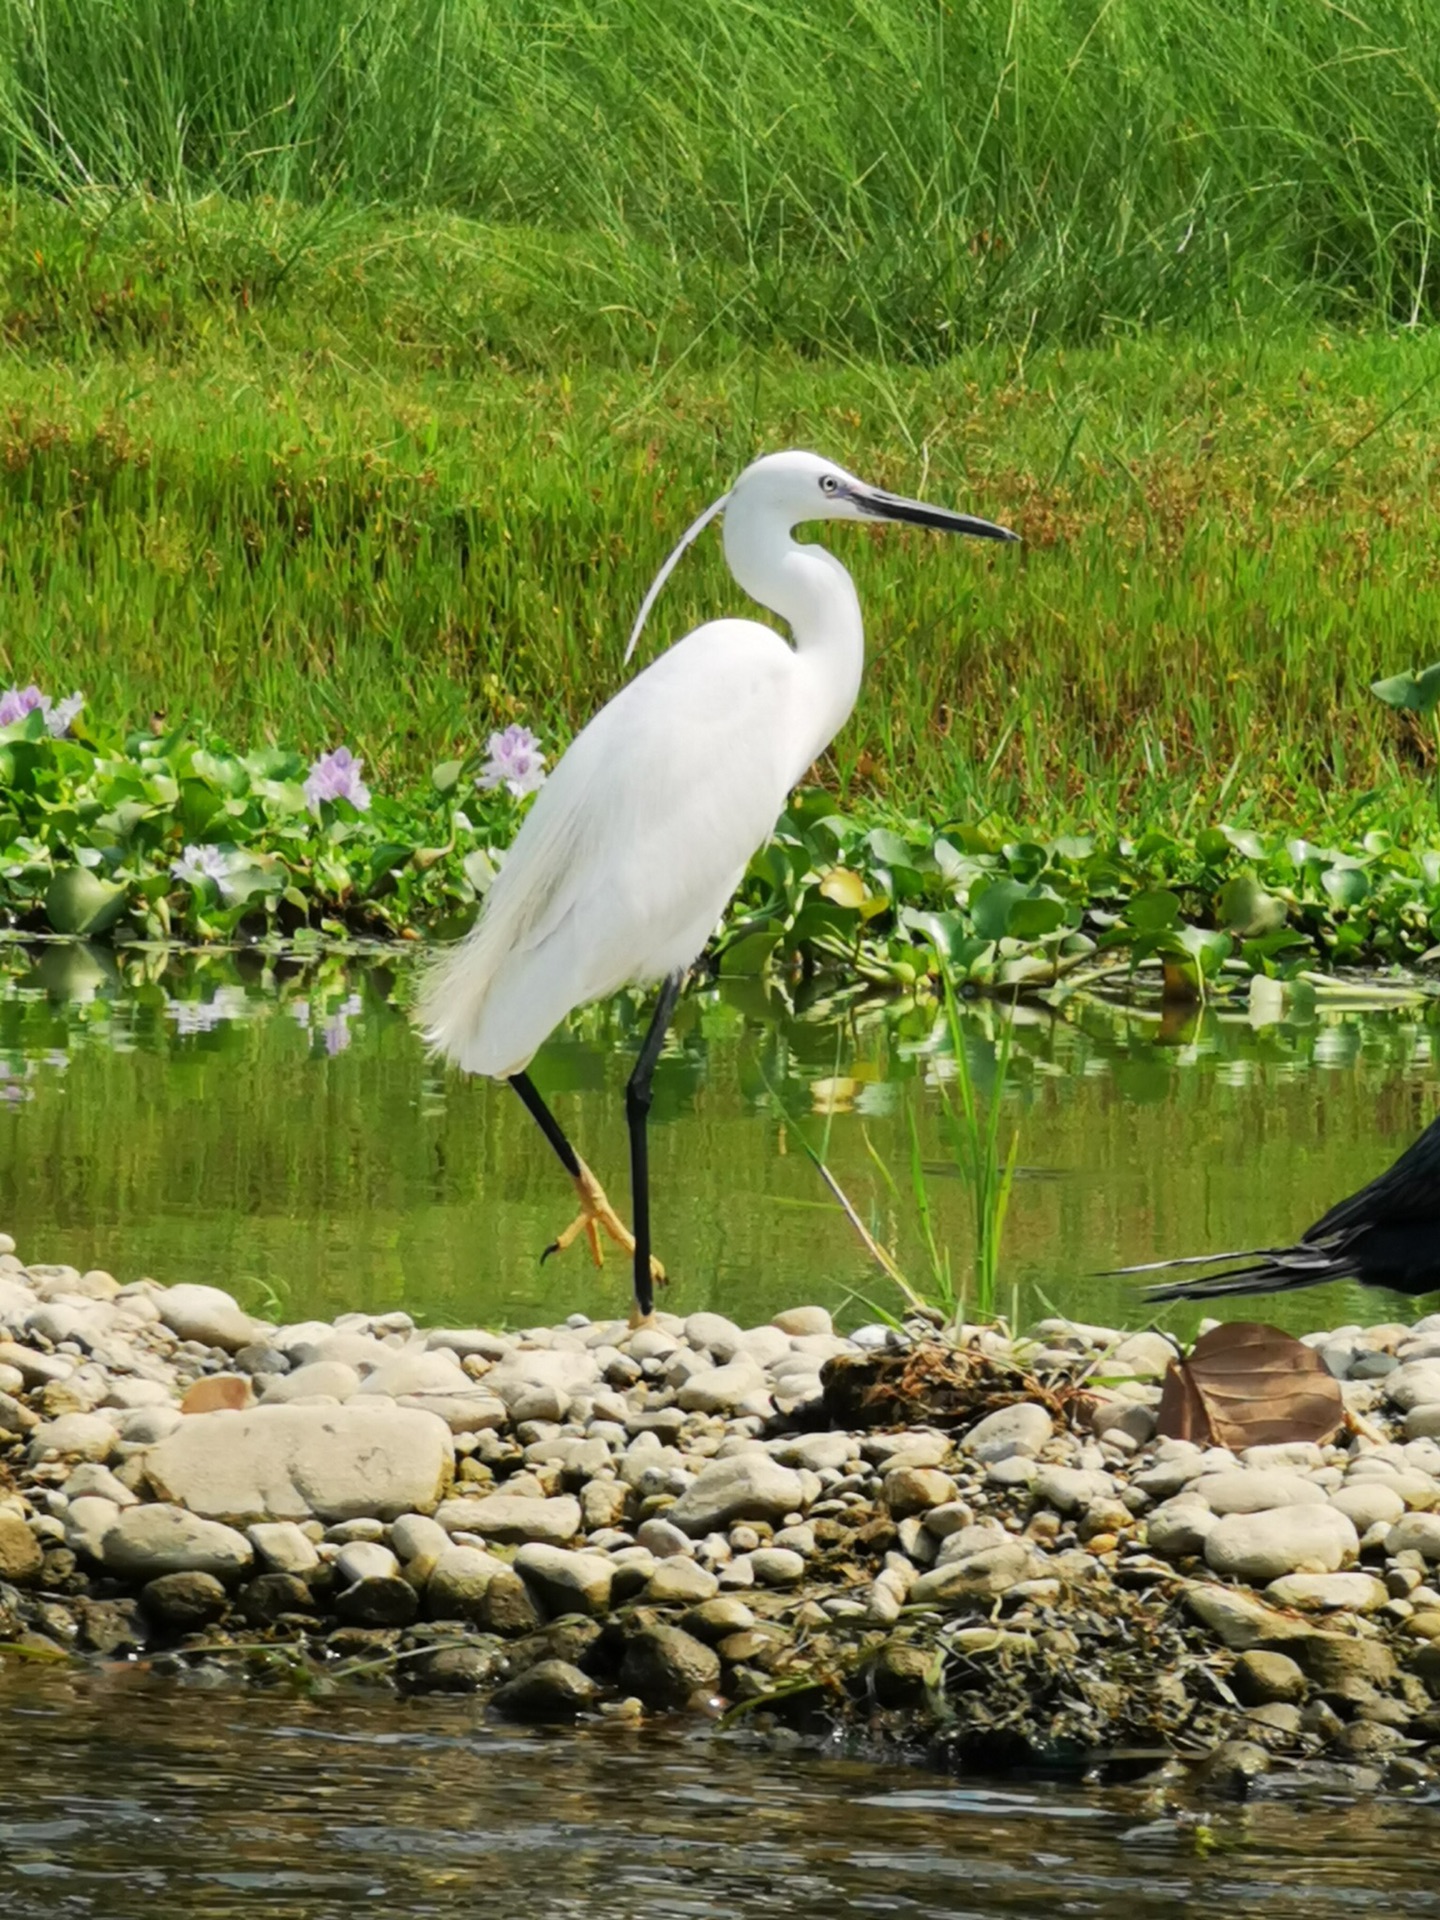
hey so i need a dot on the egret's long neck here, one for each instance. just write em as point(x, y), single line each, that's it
point(816, 598)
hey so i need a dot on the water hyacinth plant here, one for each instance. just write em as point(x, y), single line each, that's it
point(178, 836)
point(336, 776)
point(515, 760)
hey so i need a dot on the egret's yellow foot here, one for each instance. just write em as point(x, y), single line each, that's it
point(597, 1216)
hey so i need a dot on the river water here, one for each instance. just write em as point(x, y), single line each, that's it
point(276, 1129)
point(125, 1798)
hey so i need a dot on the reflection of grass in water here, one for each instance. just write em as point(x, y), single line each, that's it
point(972, 1126)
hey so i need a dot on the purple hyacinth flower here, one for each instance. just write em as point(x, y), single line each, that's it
point(336, 776)
point(16, 702)
point(516, 759)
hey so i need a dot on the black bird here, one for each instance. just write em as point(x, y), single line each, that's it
point(1386, 1235)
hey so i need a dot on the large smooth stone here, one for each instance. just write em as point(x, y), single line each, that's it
point(1247, 1490)
point(1415, 1533)
point(1328, 1592)
point(207, 1315)
point(1263, 1546)
point(1416, 1384)
point(20, 1556)
point(1021, 1429)
point(289, 1463)
point(514, 1517)
point(458, 1583)
point(148, 1541)
point(1240, 1621)
point(721, 1389)
point(549, 1693)
point(993, 1570)
point(667, 1666)
point(416, 1370)
point(747, 1486)
point(566, 1581)
point(328, 1379)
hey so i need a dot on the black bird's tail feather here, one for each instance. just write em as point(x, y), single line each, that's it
point(1277, 1270)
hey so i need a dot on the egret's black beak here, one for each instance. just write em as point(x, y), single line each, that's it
point(914, 513)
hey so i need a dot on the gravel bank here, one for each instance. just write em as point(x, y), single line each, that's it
point(583, 1520)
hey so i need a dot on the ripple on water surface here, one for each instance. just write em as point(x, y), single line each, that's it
point(128, 1799)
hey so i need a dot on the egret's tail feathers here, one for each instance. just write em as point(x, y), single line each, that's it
point(450, 1010)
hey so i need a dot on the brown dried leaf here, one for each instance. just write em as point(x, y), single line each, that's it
point(1250, 1385)
point(221, 1391)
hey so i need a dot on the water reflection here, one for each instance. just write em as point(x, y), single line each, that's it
point(137, 1799)
point(274, 1126)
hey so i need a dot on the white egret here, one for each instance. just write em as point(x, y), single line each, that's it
point(635, 843)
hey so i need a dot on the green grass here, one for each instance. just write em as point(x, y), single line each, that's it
point(305, 482)
point(878, 177)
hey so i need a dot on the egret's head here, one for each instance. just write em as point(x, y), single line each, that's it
point(798, 486)
point(790, 488)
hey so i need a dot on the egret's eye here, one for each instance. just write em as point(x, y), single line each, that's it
point(828, 483)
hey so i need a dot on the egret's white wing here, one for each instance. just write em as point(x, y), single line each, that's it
point(631, 849)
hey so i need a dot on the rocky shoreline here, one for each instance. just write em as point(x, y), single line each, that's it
point(698, 1518)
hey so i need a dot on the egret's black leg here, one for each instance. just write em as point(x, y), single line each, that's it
point(637, 1109)
point(596, 1215)
point(547, 1123)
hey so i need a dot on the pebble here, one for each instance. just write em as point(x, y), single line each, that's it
point(415, 1536)
point(1260, 1678)
point(460, 1581)
point(777, 1567)
point(90, 1477)
point(1022, 1429)
point(1071, 1489)
point(365, 1560)
point(912, 1490)
point(74, 1436)
point(680, 1581)
point(184, 1602)
point(804, 1320)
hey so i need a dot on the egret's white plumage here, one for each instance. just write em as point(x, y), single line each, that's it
point(681, 776)
point(642, 832)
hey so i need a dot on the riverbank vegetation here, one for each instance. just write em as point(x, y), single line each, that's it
point(358, 375)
